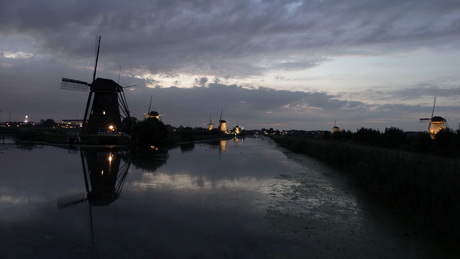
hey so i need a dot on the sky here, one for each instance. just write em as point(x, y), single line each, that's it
point(282, 64)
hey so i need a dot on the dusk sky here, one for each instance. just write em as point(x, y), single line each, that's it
point(284, 64)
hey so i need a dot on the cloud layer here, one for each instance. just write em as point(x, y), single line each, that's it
point(265, 62)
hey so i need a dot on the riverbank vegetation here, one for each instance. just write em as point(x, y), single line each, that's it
point(414, 174)
point(146, 133)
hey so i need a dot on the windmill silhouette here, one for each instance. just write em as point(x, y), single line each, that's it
point(106, 99)
point(437, 123)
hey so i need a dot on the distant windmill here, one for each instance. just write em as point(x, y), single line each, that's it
point(152, 114)
point(335, 129)
point(222, 123)
point(107, 101)
point(237, 129)
point(210, 125)
point(437, 123)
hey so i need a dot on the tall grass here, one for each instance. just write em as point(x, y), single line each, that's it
point(422, 186)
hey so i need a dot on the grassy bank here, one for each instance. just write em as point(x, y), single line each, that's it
point(425, 187)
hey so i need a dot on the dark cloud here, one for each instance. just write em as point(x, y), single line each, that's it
point(227, 38)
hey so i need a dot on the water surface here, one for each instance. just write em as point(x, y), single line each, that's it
point(223, 199)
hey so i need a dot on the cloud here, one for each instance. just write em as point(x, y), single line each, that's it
point(427, 91)
point(224, 38)
point(232, 48)
point(17, 55)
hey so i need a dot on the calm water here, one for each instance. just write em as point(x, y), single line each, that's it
point(224, 199)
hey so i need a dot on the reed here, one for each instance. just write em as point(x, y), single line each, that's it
point(422, 186)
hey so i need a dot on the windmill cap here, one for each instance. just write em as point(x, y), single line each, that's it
point(438, 119)
point(103, 84)
point(154, 113)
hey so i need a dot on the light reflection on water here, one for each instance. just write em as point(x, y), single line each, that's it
point(216, 199)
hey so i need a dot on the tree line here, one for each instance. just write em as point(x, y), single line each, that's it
point(445, 143)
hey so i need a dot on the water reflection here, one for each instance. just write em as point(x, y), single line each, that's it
point(150, 160)
point(104, 174)
point(187, 147)
point(222, 144)
point(105, 171)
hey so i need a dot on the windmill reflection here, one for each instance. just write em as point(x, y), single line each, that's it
point(104, 173)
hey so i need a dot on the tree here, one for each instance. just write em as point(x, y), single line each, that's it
point(150, 132)
point(393, 137)
point(49, 123)
point(128, 124)
point(367, 136)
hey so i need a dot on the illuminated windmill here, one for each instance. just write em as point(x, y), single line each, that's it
point(222, 123)
point(152, 114)
point(437, 123)
point(210, 125)
point(237, 129)
point(335, 129)
point(106, 99)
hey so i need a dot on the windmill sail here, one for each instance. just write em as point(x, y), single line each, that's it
point(72, 84)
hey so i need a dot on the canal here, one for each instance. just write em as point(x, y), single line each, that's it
point(241, 198)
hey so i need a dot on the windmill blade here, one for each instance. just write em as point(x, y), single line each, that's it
point(70, 200)
point(425, 119)
point(98, 42)
point(75, 85)
point(434, 105)
point(150, 105)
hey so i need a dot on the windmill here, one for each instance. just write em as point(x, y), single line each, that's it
point(335, 129)
point(106, 99)
point(222, 123)
point(437, 123)
point(237, 129)
point(210, 125)
point(152, 114)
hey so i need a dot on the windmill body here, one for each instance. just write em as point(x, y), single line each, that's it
point(222, 123)
point(437, 123)
point(335, 129)
point(104, 115)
